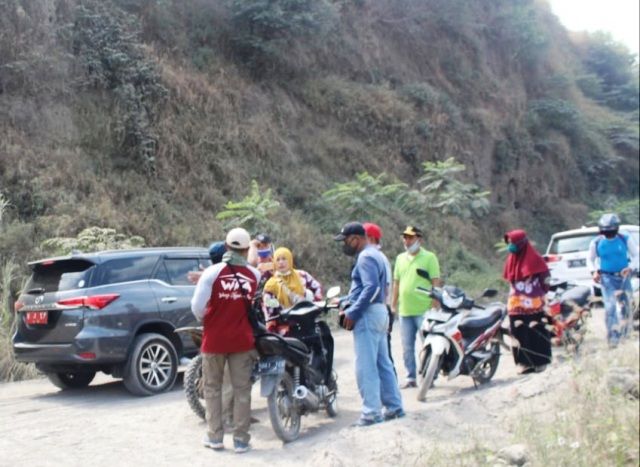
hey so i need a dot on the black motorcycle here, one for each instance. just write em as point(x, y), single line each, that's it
point(296, 370)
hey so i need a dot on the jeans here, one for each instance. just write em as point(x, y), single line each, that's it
point(616, 293)
point(375, 376)
point(409, 326)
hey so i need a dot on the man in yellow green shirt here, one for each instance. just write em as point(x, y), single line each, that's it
point(406, 302)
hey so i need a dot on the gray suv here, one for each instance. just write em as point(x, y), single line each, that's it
point(111, 311)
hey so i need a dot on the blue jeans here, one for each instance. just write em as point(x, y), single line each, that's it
point(409, 326)
point(616, 315)
point(375, 376)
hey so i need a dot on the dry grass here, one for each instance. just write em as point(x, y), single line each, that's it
point(587, 423)
point(10, 370)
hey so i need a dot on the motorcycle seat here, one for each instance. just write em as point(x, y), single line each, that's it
point(269, 344)
point(481, 318)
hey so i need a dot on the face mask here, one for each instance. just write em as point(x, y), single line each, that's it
point(349, 250)
point(512, 247)
point(413, 248)
point(610, 235)
point(265, 253)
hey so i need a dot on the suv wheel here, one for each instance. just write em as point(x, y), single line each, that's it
point(71, 379)
point(152, 366)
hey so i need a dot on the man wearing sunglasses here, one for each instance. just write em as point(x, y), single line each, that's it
point(405, 301)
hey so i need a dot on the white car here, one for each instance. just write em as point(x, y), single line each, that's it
point(567, 255)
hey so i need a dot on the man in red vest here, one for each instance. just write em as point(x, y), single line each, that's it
point(222, 301)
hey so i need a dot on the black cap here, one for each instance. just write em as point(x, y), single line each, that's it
point(263, 238)
point(350, 228)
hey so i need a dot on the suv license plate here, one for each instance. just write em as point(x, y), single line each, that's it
point(37, 317)
point(577, 263)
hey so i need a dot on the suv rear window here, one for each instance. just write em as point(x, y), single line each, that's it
point(59, 276)
point(124, 270)
point(572, 244)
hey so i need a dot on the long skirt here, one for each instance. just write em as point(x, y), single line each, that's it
point(533, 342)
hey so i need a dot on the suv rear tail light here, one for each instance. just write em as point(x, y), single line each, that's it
point(18, 305)
point(95, 302)
point(552, 258)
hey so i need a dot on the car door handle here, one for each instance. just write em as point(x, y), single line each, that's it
point(169, 299)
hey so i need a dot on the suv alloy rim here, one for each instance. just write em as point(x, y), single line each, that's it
point(155, 365)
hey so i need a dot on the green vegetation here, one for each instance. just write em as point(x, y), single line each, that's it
point(154, 117)
point(91, 239)
point(628, 210)
point(253, 212)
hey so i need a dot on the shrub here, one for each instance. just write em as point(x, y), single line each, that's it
point(10, 370)
point(263, 30)
point(253, 212)
point(91, 239)
point(104, 40)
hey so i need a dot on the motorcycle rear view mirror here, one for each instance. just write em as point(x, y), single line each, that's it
point(489, 293)
point(333, 292)
point(424, 274)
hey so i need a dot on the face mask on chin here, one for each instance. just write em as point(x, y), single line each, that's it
point(513, 248)
point(413, 248)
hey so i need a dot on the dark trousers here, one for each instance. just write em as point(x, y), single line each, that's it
point(531, 334)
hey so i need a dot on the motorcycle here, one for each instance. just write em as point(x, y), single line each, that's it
point(568, 308)
point(193, 381)
point(296, 370)
point(459, 338)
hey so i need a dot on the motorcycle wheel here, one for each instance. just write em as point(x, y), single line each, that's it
point(284, 415)
point(488, 368)
point(332, 401)
point(572, 340)
point(194, 386)
point(429, 368)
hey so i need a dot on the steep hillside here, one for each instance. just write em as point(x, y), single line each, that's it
point(149, 115)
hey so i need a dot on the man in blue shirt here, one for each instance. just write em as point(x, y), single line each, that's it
point(367, 316)
point(608, 260)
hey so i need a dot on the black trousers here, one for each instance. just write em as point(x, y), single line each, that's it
point(535, 342)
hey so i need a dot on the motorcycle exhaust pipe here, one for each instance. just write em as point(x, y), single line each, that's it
point(308, 398)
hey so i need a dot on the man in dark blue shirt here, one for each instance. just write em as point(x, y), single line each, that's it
point(367, 316)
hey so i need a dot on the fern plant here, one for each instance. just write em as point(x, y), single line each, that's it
point(253, 212)
point(444, 193)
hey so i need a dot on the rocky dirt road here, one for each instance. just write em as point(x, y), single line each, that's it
point(104, 425)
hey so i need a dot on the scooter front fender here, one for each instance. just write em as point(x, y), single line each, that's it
point(439, 344)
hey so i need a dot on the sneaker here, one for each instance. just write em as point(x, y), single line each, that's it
point(410, 383)
point(216, 445)
point(240, 447)
point(362, 421)
point(392, 415)
point(541, 368)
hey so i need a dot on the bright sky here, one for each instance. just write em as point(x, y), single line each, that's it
point(618, 17)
